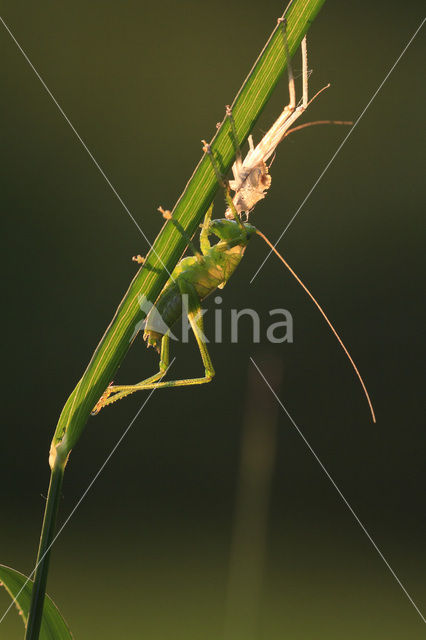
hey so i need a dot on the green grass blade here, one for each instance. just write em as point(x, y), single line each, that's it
point(53, 626)
point(189, 210)
point(160, 262)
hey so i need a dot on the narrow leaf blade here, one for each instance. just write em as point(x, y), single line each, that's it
point(188, 213)
point(19, 587)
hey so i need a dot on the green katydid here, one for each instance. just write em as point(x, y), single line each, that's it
point(196, 277)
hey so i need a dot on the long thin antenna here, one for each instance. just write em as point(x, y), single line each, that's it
point(321, 310)
point(311, 124)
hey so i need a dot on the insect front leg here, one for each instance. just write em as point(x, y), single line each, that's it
point(236, 167)
point(204, 234)
point(223, 183)
point(168, 216)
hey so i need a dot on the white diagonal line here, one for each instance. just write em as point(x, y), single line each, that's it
point(339, 492)
point(339, 148)
point(84, 494)
point(84, 145)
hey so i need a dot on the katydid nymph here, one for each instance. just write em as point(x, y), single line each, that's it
point(196, 277)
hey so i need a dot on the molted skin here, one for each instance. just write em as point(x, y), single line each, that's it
point(250, 189)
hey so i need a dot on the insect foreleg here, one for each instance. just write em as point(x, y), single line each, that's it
point(223, 183)
point(168, 216)
point(238, 157)
point(204, 234)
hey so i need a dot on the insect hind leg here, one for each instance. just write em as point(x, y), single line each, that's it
point(305, 73)
point(291, 86)
point(195, 318)
point(117, 392)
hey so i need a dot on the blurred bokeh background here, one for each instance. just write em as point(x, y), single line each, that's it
point(150, 551)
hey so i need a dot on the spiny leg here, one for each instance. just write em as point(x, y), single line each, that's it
point(116, 392)
point(291, 112)
point(236, 167)
point(204, 234)
point(168, 216)
point(235, 140)
point(291, 86)
point(223, 183)
point(195, 318)
point(305, 73)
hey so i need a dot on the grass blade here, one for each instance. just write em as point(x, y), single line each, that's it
point(53, 626)
point(188, 212)
point(160, 262)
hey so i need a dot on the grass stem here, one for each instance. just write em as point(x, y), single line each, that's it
point(43, 556)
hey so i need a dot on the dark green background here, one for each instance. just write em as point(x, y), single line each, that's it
point(146, 555)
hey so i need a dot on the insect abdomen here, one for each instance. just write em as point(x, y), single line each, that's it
point(206, 276)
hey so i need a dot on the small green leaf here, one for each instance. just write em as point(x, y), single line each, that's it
point(53, 626)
